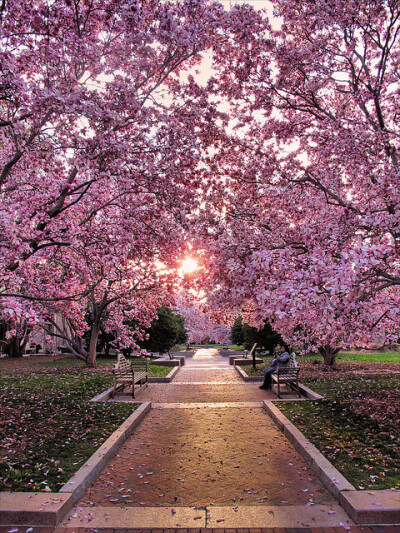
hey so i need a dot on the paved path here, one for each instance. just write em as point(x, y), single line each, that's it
point(207, 455)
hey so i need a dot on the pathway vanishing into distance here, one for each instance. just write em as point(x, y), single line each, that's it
point(207, 456)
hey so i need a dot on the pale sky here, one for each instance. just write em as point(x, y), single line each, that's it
point(257, 4)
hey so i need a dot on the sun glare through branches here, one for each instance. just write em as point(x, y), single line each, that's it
point(189, 265)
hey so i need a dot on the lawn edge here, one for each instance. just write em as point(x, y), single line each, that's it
point(165, 379)
point(364, 507)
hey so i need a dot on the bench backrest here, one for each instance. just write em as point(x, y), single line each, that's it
point(287, 371)
point(122, 362)
point(139, 364)
point(135, 364)
point(122, 370)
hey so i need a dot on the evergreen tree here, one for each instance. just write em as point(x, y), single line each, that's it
point(165, 331)
point(266, 338)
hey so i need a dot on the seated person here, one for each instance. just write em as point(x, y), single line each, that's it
point(283, 359)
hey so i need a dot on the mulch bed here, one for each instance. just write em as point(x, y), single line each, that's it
point(379, 404)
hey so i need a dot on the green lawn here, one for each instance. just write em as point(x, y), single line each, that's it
point(345, 357)
point(356, 426)
point(48, 428)
point(374, 357)
point(154, 370)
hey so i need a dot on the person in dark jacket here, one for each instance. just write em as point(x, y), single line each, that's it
point(283, 359)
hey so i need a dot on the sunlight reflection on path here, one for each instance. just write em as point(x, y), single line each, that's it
point(206, 353)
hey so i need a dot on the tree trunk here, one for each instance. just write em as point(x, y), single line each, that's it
point(14, 348)
point(94, 335)
point(329, 354)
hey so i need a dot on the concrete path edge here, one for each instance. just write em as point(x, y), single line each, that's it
point(244, 375)
point(34, 508)
point(364, 507)
point(165, 379)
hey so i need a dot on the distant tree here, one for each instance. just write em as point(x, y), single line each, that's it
point(200, 323)
point(237, 335)
point(165, 331)
point(182, 337)
point(266, 338)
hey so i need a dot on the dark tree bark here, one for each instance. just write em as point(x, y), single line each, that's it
point(329, 354)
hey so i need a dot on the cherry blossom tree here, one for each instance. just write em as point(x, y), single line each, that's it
point(283, 165)
point(93, 129)
point(309, 231)
point(200, 322)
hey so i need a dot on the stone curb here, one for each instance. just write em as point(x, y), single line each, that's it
point(244, 375)
point(34, 508)
point(372, 507)
point(165, 379)
point(167, 362)
point(94, 466)
point(207, 519)
point(308, 393)
point(364, 507)
point(103, 396)
point(329, 476)
point(239, 359)
point(246, 362)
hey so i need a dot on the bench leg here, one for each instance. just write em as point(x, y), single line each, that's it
point(115, 387)
point(118, 387)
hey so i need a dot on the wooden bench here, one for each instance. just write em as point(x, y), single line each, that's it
point(129, 374)
point(287, 375)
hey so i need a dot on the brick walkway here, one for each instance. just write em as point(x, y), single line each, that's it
point(207, 456)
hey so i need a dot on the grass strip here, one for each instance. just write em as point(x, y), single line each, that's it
point(49, 428)
point(342, 357)
point(356, 427)
point(102, 362)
